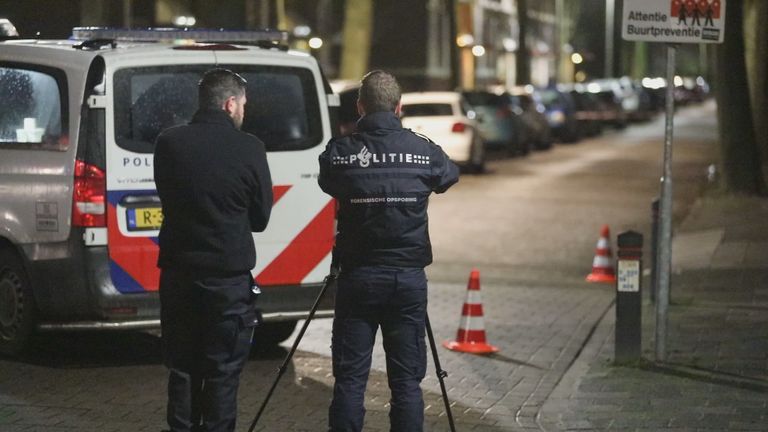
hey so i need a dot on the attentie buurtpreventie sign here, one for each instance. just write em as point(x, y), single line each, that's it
point(674, 21)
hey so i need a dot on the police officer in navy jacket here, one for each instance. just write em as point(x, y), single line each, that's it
point(382, 177)
point(215, 188)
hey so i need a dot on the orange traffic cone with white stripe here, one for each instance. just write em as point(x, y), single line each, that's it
point(471, 335)
point(602, 265)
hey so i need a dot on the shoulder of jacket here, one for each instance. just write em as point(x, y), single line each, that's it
point(342, 140)
point(174, 130)
point(249, 137)
point(422, 136)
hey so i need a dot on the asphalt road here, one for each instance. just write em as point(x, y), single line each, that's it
point(529, 225)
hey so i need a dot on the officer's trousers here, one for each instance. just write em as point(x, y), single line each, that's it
point(395, 299)
point(207, 323)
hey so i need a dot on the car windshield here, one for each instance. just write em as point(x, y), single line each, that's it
point(282, 109)
point(549, 97)
point(427, 110)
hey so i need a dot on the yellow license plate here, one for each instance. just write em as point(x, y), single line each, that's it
point(144, 218)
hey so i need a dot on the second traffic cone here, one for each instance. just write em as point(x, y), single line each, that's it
point(471, 335)
point(602, 265)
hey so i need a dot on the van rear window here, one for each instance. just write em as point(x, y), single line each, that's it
point(282, 109)
point(31, 108)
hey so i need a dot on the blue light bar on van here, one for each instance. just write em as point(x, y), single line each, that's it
point(174, 34)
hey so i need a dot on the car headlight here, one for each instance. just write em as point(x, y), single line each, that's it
point(556, 117)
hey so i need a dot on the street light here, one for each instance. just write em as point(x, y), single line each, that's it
point(315, 42)
point(464, 40)
point(478, 50)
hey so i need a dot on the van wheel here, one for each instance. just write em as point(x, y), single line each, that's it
point(272, 333)
point(17, 306)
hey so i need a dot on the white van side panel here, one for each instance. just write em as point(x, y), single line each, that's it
point(36, 184)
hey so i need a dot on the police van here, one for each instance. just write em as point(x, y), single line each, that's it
point(79, 213)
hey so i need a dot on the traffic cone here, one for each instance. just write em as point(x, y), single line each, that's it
point(471, 335)
point(602, 265)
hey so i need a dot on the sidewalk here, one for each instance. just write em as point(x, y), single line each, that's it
point(716, 374)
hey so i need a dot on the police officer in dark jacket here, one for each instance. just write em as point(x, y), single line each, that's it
point(215, 188)
point(382, 177)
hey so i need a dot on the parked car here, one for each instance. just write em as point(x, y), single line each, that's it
point(690, 90)
point(560, 109)
point(447, 119)
point(588, 113)
point(348, 115)
point(622, 93)
point(656, 88)
point(498, 122)
point(609, 98)
point(533, 114)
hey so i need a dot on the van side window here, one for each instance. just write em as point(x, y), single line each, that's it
point(31, 111)
point(282, 109)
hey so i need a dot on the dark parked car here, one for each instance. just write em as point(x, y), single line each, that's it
point(587, 111)
point(610, 100)
point(533, 115)
point(499, 123)
point(561, 114)
point(690, 90)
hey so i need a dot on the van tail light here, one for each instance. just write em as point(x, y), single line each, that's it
point(459, 127)
point(88, 203)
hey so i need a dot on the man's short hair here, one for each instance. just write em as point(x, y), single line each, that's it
point(218, 85)
point(379, 91)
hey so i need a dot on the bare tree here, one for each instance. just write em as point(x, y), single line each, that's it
point(739, 152)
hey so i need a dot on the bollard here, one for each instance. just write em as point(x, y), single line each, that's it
point(654, 246)
point(629, 298)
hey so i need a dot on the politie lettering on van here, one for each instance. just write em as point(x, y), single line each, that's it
point(79, 213)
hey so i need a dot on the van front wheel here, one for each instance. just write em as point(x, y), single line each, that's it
point(17, 307)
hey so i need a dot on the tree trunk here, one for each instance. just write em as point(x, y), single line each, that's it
point(756, 51)
point(358, 26)
point(523, 58)
point(455, 80)
point(740, 158)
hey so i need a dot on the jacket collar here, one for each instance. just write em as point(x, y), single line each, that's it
point(379, 120)
point(215, 116)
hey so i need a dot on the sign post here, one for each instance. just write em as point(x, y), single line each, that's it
point(671, 22)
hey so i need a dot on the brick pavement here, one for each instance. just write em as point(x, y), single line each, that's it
point(539, 331)
point(716, 374)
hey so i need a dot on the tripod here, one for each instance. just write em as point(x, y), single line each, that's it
point(441, 374)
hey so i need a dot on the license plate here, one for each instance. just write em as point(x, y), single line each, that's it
point(144, 218)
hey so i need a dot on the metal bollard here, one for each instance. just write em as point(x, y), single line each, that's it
point(628, 343)
point(654, 246)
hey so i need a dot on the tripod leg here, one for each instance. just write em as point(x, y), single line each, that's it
point(328, 280)
point(441, 374)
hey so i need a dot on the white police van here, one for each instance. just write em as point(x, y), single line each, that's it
point(79, 214)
